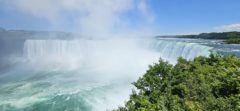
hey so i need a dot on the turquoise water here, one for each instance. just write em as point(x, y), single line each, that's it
point(56, 90)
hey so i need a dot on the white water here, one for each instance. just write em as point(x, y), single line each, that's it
point(62, 75)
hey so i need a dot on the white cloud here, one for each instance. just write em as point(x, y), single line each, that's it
point(229, 27)
point(94, 16)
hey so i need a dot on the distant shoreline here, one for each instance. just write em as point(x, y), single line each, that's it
point(227, 37)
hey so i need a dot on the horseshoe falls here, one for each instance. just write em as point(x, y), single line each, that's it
point(84, 75)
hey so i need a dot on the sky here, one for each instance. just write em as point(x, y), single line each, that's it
point(162, 17)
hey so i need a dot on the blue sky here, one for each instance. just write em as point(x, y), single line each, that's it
point(159, 16)
point(183, 16)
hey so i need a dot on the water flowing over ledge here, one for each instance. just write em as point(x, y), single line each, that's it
point(76, 49)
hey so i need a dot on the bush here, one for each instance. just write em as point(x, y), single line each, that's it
point(233, 41)
point(203, 84)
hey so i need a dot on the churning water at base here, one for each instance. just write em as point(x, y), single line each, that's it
point(83, 75)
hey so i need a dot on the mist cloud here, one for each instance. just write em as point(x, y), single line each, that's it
point(92, 16)
point(145, 10)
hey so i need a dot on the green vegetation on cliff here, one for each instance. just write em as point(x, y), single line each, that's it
point(233, 38)
point(213, 35)
point(233, 41)
point(228, 37)
point(203, 84)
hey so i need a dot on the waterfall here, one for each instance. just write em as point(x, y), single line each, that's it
point(93, 75)
point(78, 49)
point(172, 49)
point(47, 48)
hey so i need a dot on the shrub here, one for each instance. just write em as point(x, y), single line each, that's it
point(203, 84)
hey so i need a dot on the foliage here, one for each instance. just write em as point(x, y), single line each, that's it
point(214, 35)
point(233, 41)
point(233, 38)
point(203, 84)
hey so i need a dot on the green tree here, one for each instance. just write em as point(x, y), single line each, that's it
point(203, 84)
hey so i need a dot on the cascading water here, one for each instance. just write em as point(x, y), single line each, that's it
point(67, 49)
point(171, 50)
point(84, 75)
